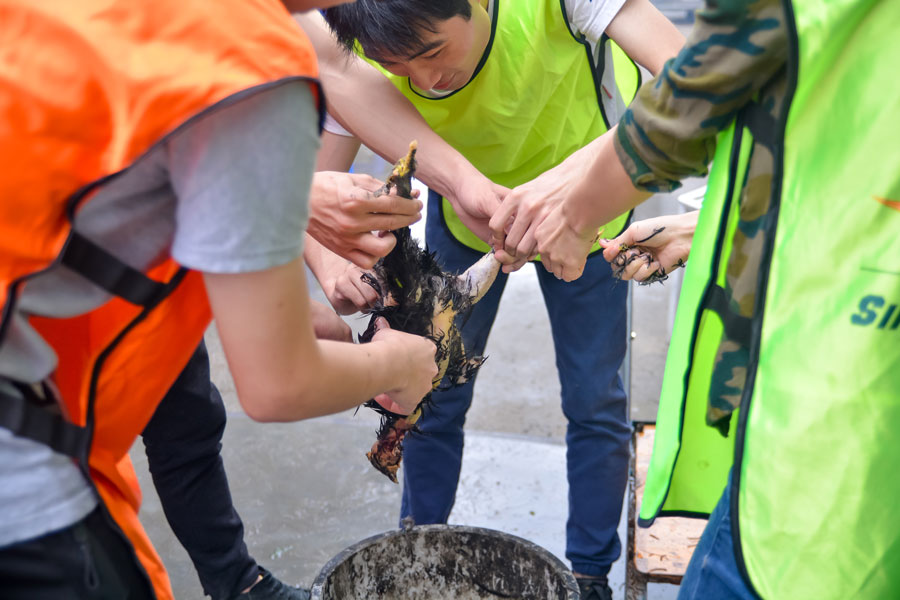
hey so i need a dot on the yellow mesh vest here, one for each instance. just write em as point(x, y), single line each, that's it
point(815, 451)
point(536, 97)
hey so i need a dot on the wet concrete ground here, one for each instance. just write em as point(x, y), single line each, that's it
point(306, 491)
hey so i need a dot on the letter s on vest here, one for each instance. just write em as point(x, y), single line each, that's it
point(870, 312)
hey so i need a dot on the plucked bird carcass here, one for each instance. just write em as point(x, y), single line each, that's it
point(417, 296)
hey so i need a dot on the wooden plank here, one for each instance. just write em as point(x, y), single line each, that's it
point(662, 551)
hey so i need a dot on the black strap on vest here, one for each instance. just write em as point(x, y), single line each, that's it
point(105, 270)
point(27, 419)
point(737, 327)
point(25, 413)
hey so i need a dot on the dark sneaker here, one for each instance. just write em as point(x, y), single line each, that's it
point(594, 588)
point(270, 588)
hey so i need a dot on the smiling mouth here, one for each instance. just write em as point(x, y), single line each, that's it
point(443, 85)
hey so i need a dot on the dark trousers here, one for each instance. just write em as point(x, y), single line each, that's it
point(88, 561)
point(183, 441)
point(587, 319)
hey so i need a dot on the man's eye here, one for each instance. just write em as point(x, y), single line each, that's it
point(433, 54)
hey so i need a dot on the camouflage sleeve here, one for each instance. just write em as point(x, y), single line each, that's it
point(669, 131)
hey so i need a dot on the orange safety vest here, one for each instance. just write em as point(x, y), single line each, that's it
point(86, 89)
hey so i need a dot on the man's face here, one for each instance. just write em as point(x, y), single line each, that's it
point(449, 56)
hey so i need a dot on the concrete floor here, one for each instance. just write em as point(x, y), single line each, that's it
point(306, 491)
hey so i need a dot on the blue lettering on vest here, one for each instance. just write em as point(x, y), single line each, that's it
point(870, 309)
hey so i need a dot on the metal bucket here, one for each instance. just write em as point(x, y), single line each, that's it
point(444, 562)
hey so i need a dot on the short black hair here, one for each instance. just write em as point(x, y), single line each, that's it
point(391, 27)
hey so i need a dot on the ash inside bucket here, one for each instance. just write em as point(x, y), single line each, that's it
point(445, 562)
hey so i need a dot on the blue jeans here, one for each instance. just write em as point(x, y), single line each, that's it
point(587, 319)
point(713, 571)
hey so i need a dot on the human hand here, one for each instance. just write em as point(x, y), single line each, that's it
point(651, 249)
point(350, 220)
point(327, 325)
point(514, 224)
point(415, 355)
point(475, 198)
point(563, 246)
point(346, 290)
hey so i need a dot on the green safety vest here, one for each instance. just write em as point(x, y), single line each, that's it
point(536, 96)
point(814, 449)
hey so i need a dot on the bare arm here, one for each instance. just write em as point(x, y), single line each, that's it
point(645, 34)
point(340, 279)
point(558, 214)
point(283, 373)
point(327, 324)
point(369, 105)
point(669, 130)
point(337, 152)
point(565, 237)
point(649, 38)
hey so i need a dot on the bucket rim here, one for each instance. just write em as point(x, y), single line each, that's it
point(570, 583)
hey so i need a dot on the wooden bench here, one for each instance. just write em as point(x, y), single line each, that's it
point(660, 553)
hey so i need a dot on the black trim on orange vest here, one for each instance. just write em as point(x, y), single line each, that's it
point(15, 286)
point(27, 419)
point(87, 257)
point(166, 288)
point(108, 272)
point(84, 462)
